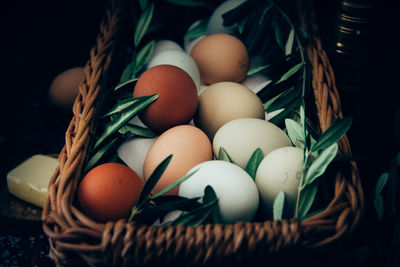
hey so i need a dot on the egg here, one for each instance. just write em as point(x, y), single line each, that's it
point(241, 137)
point(177, 100)
point(133, 152)
point(164, 45)
point(215, 23)
point(64, 88)
point(189, 147)
point(109, 191)
point(221, 57)
point(279, 171)
point(179, 59)
point(256, 82)
point(225, 101)
point(237, 193)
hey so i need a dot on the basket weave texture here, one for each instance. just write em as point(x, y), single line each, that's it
point(76, 239)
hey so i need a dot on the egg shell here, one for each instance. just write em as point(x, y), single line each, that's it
point(215, 23)
point(109, 191)
point(133, 152)
point(64, 88)
point(222, 102)
point(189, 147)
point(279, 171)
point(177, 100)
point(221, 57)
point(164, 45)
point(179, 59)
point(241, 137)
point(237, 193)
point(256, 82)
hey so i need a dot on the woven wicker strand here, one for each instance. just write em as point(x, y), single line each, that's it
point(74, 238)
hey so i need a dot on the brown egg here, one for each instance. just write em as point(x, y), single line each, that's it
point(177, 100)
point(189, 147)
point(109, 191)
point(64, 88)
point(221, 57)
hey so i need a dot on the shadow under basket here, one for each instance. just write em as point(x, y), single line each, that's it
point(77, 240)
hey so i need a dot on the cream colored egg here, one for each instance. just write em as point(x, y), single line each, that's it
point(179, 59)
point(225, 101)
point(279, 171)
point(215, 24)
point(241, 137)
point(237, 193)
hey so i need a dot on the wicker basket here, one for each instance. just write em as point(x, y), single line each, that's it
point(75, 239)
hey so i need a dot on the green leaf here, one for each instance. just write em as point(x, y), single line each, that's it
point(295, 131)
point(143, 23)
point(119, 120)
point(197, 31)
point(307, 197)
point(177, 182)
point(193, 218)
point(254, 162)
point(286, 112)
point(127, 75)
point(223, 155)
point(283, 100)
point(124, 104)
point(241, 25)
point(381, 183)
point(210, 196)
point(234, 15)
point(137, 130)
point(319, 165)
point(290, 72)
point(278, 36)
point(192, 3)
point(289, 43)
point(257, 69)
point(125, 83)
point(143, 56)
point(152, 181)
point(334, 133)
point(379, 206)
point(99, 155)
point(143, 4)
point(278, 205)
point(310, 214)
point(265, 11)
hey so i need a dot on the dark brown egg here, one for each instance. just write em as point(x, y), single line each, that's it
point(64, 88)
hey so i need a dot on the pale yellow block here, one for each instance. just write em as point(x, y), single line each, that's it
point(30, 179)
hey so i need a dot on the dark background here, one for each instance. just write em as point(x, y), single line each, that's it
point(40, 39)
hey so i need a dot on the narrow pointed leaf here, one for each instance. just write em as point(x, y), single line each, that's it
point(197, 31)
point(278, 206)
point(295, 131)
point(152, 180)
point(192, 3)
point(210, 196)
point(125, 83)
point(319, 165)
point(254, 162)
point(196, 216)
point(143, 23)
point(265, 11)
point(223, 155)
point(241, 25)
point(124, 104)
point(379, 206)
point(143, 56)
point(381, 183)
point(334, 133)
point(143, 4)
point(307, 197)
point(177, 182)
point(137, 130)
point(290, 72)
point(128, 74)
point(257, 69)
point(289, 43)
point(99, 155)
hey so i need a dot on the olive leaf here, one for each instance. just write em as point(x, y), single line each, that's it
point(241, 24)
point(378, 202)
point(334, 133)
point(125, 83)
point(193, 3)
point(290, 72)
point(143, 55)
point(295, 131)
point(137, 130)
point(319, 165)
point(278, 205)
point(151, 182)
point(143, 4)
point(127, 75)
point(211, 196)
point(235, 14)
point(223, 155)
point(289, 43)
point(172, 185)
point(143, 23)
point(286, 112)
point(283, 100)
point(257, 69)
point(119, 120)
point(254, 162)
point(307, 197)
point(124, 104)
point(265, 11)
point(278, 36)
point(197, 31)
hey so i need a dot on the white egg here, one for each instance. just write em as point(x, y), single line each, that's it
point(179, 59)
point(238, 198)
point(256, 82)
point(134, 151)
point(241, 137)
point(215, 24)
point(279, 171)
point(164, 45)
